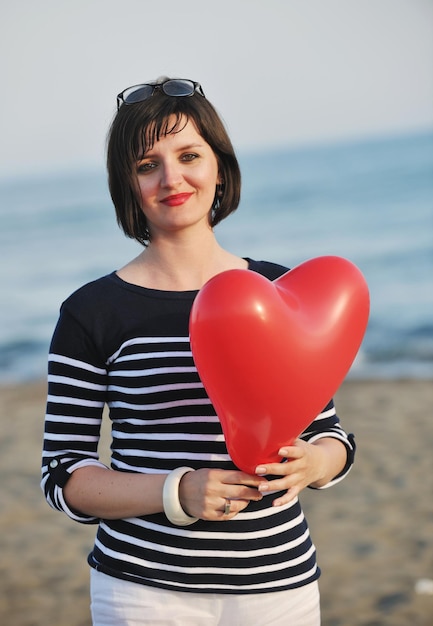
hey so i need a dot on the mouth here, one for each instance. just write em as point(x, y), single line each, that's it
point(176, 199)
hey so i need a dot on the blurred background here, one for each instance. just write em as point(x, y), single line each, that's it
point(329, 104)
point(330, 108)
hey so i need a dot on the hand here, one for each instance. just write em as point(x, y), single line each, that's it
point(204, 493)
point(306, 465)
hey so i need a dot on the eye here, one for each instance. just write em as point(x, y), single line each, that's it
point(146, 166)
point(189, 156)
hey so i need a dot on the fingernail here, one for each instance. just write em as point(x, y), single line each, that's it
point(260, 470)
point(263, 487)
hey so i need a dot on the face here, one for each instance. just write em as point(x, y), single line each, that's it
point(177, 178)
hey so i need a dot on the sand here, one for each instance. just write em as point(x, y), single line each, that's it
point(373, 531)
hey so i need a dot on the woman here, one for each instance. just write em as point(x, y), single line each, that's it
point(184, 537)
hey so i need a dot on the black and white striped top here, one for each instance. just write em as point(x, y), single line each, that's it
point(128, 347)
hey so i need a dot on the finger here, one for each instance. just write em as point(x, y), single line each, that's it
point(287, 497)
point(231, 508)
point(278, 484)
point(291, 452)
point(240, 478)
point(240, 492)
point(276, 469)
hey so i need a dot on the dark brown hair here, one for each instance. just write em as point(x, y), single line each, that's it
point(135, 129)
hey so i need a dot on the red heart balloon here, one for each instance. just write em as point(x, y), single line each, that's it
point(271, 354)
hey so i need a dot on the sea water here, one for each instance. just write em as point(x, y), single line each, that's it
point(368, 201)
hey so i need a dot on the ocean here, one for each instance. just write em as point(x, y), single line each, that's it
point(368, 201)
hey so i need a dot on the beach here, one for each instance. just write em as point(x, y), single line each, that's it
point(373, 531)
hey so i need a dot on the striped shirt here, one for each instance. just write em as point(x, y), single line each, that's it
point(128, 347)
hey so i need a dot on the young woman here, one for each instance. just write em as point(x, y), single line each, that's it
point(183, 536)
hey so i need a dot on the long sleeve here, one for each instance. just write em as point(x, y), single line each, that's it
point(76, 397)
point(327, 424)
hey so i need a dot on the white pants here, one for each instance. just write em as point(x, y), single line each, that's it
point(116, 602)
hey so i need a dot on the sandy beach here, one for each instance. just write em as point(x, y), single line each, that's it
point(373, 531)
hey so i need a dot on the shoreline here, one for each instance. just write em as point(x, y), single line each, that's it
point(373, 531)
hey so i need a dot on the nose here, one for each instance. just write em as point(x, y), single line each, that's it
point(171, 175)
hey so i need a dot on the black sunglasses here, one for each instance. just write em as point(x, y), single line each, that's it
point(176, 87)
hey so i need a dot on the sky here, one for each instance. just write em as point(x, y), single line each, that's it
point(280, 72)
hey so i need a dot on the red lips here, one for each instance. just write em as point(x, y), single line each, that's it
point(176, 199)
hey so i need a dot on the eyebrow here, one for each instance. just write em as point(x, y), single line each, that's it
point(182, 148)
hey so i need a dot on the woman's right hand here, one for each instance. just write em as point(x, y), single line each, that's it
point(209, 493)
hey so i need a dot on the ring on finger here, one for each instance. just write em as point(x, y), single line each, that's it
point(227, 507)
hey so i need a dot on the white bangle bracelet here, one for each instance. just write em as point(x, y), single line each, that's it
point(170, 498)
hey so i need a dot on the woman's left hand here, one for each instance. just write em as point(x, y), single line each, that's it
point(308, 464)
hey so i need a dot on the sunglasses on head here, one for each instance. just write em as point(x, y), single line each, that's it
point(176, 87)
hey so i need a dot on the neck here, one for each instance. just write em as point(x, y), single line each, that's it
point(183, 265)
point(179, 264)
